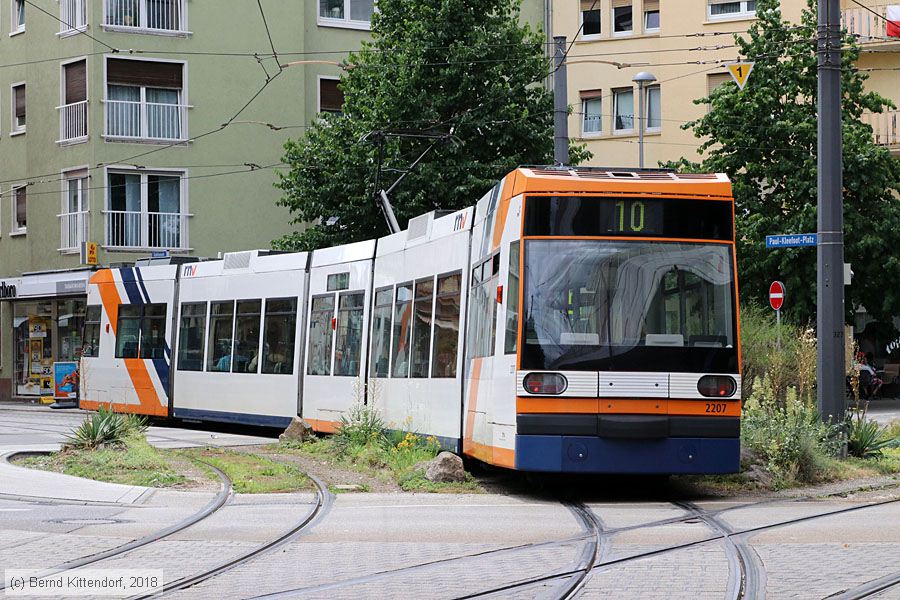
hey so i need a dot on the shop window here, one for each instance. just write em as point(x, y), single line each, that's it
point(381, 333)
point(512, 300)
point(446, 326)
point(320, 336)
point(221, 330)
point(141, 331)
point(34, 347)
point(280, 333)
point(246, 337)
point(402, 326)
point(191, 336)
point(348, 346)
point(70, 327)
point(590, 17)
point(91, 346)
point(421, 329)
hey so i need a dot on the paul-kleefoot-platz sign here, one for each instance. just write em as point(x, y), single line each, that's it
point(792, 241)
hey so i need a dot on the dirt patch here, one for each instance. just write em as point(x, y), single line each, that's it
point(332, 475)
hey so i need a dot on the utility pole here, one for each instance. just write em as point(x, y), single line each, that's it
point(830, 251)
point(560, 103)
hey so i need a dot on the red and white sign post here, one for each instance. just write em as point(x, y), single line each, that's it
point(777, 292)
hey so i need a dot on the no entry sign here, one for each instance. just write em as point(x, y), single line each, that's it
point(776, 295)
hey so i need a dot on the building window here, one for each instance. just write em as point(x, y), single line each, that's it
point(591, 113)
point(73, 113)
point(72, 15)
point(331, 98)
point(278, 336)
point(713, 82)
point(18, 108)
point(346, 13)
point(144, 100)
point(191, 336)
point(623, 116)
point(74, 216)
point(651, 16)
point(623, 22)
point(722, 9)
point(321, 334)
point(146, 210)
point(221, 332)
point(17, 16)
point(590, 17)
point(654, 108)
point(348, 345)
point(20, 198)
point(381, 333)
point(149, 15)
point(141, 331)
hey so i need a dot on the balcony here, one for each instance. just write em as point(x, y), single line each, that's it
point(868, 27)
point(73, 230)
point(145, 121)
point(886, 128)
point(165, 17)
point(73, 122)
point(133, 230)
point(72, 16)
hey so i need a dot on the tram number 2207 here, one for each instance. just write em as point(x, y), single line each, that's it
point(716, 407)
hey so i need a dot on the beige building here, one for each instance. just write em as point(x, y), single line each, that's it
point(679, 42)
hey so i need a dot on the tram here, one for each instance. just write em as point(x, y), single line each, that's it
point(573, 320)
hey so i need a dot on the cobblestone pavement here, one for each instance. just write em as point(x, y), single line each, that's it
point(447, 546)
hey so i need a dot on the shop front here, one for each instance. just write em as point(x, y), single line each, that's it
point(46, 313)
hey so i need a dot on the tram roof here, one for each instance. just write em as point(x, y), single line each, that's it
point(548, 179)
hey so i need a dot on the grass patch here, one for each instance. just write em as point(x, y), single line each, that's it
point(251, 473)
point(133, 461)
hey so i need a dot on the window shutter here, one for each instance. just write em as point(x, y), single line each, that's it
point(589, 94)
point(620, 3)
point(651, 5)
point(715, 80)
point(76, 81)
point(144, 73)
point(331, 98)
point(20, 100)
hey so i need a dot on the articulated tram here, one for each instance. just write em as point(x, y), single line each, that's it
point(574, 320)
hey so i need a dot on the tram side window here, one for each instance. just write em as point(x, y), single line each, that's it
point(92, 332)
point(446, 326)
point(483, 311)
point(348, 346)
point(381, 333)
point(280, 333)
point(141, 331)
point(320, 336)
point(191, 336)
point(421, 330)
point(246, 337)
point(221, 329)
point(512, 300)
point(402, 325)
point(128, 331)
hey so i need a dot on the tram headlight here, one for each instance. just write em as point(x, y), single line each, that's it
point(716, 386)
point(545, 383)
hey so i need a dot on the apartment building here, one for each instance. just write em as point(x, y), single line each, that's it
point(617, 39)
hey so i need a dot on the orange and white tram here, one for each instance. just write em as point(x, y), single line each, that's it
point(574, 320)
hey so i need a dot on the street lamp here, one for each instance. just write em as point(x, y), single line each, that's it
point(643, 78)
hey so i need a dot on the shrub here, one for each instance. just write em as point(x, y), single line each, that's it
point(103, 428)
point(361, 426)
point(865, 437)
point(136, 423)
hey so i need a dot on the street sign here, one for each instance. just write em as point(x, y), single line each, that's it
point(159, 254)
point(796, 240)
point(89, 253)
point(740, 72)
point(776, 295)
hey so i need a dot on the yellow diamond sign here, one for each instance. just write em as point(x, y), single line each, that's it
point(740, 72)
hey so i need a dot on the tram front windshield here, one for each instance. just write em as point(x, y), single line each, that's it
point(628, 306)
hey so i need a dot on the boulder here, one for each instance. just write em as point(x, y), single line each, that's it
point(446, 467)
point(299, 430)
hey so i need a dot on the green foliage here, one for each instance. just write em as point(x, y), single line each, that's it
point(432, 66)
point(865, 437)
point(792, 440)
point(102, 428)
point(765, 137)
point(251, 473)
point(136, 423)
point(361, 426)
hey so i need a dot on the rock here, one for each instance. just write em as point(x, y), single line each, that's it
point(760, 476)
point(446, 467)
point(299, 430)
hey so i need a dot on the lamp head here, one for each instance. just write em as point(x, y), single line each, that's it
point(644, 77)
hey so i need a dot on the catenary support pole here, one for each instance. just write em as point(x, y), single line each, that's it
point(830, 274)
point(560, 103)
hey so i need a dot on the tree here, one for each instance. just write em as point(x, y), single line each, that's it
point(433, 66)
point(764, 138)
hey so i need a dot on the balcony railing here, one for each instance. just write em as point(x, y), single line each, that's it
point(126, 119)
point(885, 126)
point(152, 16)
point(73, 121)
point(867, 25)
point(73, 230)
point(140, 230)
point(72, 15)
